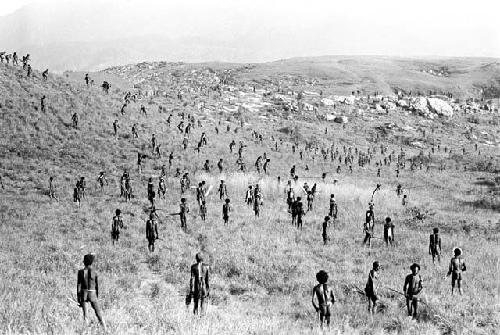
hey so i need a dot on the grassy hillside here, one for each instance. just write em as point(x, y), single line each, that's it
point(263, 269)
point(464, 77)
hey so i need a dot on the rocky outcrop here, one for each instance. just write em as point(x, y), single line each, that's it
point(440, 107)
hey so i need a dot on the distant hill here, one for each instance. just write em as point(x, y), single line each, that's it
point(463, 77)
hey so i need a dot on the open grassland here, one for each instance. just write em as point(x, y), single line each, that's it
point(263, 269)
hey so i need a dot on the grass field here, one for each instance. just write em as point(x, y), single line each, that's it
point(263, 269)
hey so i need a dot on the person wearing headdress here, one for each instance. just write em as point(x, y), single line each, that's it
point(324, 297)
point(412, 288)
point(457, 266)
point(87, 288)
point(199, 284)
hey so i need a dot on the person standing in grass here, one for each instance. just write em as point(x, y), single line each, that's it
point(116, 225)
point(325, 233)
point(87, 289)
point(457, 266)
point(325, 298)
point(371, 288)
point(257, 200)
point(368, 229)
point(222, 190)
point(412, 288)
point(101, 180)
point(249, 195)
point(435, 246)
point(203, 210)
point(151, 231)
point(389, 232)
point(199, 284)
point(226, 208)
point(184, 209)
point(298, 210)
point(76, 194)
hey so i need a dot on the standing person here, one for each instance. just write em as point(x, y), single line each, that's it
point(184, 209)
point(81, 184)
point(457, 266)
point(220, 165)
point(412, 288)
point(203, 210)
point(87, 79)
point(371, 288)
point(102, 179)
point(52, 188)
point(116, 225)
point(222, 190)
point(162, 188)
point(435, 245)
point(257, 200)
point(153, 143)
point(333, 212)
point(200, 193)
point(325, 233)
point(151, 231)
point(199, 284)
point(151, 192)
point(325, 298)
point(310, 200)
point(226, 208)
point(388, 232)
point(368, 229)
point(249, 196)
point(76, 194)
point(298, 210)
point(87, 289)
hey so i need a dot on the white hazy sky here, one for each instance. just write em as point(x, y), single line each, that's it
point(392, 27)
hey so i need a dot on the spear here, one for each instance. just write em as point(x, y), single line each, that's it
point(376, 189)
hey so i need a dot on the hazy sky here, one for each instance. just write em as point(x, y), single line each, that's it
point(315, 27)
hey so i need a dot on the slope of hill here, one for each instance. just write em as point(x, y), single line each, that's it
point(263, 268)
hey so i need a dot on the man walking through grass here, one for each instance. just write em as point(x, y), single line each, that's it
point(412, 288)
point(371, 288)
point(324, 297)
point(87, 289)
point(199, 284)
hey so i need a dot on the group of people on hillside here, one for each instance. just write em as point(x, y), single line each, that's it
point(323, 296)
